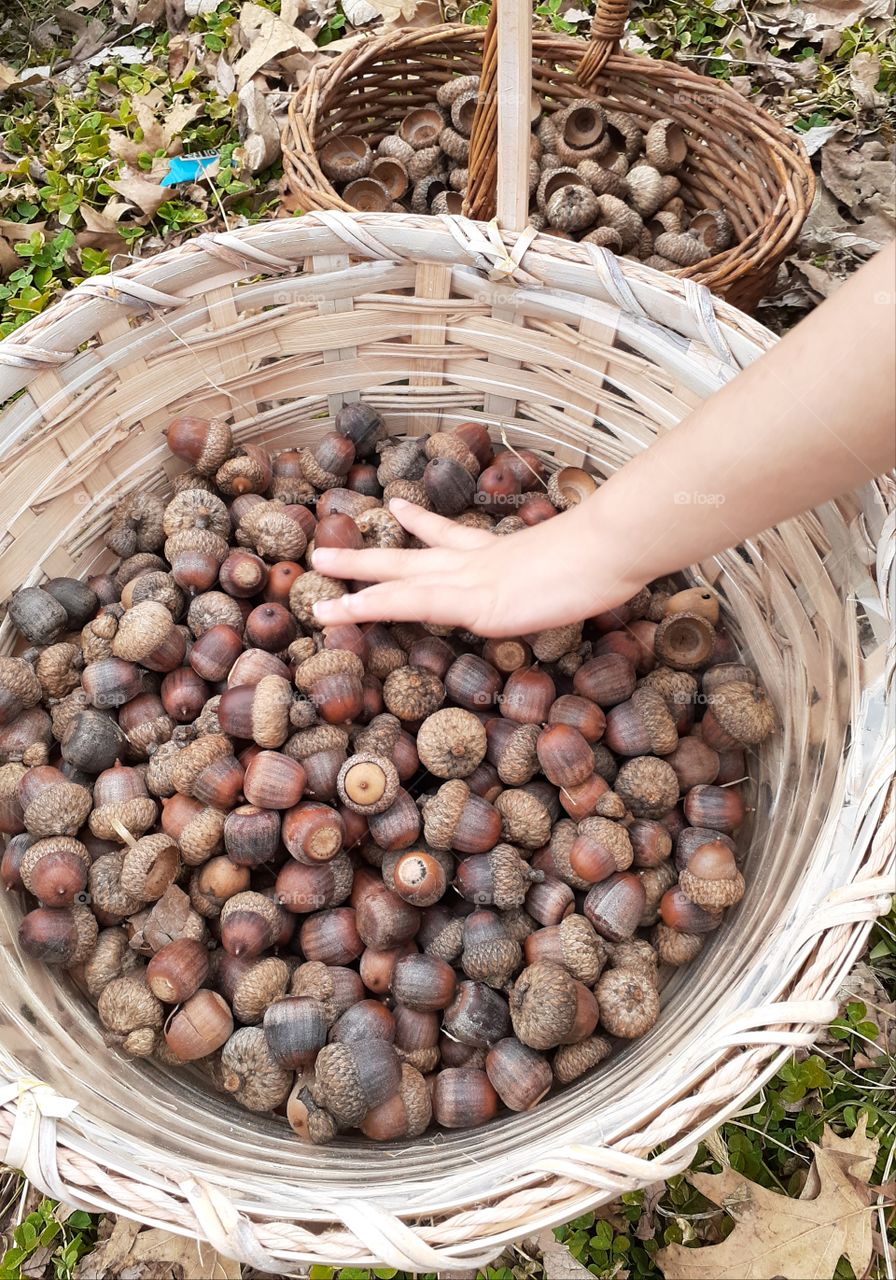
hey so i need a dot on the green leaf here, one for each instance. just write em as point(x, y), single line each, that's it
point(603, 1235)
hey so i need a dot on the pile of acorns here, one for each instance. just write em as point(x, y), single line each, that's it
point(593, 175)
point(366, 877)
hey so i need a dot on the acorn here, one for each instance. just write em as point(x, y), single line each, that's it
point(205, 444)
point(419, 878)
point(195, 556)
point(738, 714)
point(675, 947)
point(135, 525)
point(647, 786)
point(573, 1060)
point(150, 866)
point(711, 878)
point(519, 1075)
point(512, 748)
point(477, 1016)
point(313, 832)
point(549, 1007)
point(251, 835)
point(331, 937)
point(484, 781)
point(39, 617)
point(628, 1002)
point(276, 531)
point(147, 634)
point(489, 954)
point(550, 901)
point(214, 652)
point(258, 712)
point(332, 680)
point(564, 755)
point(455, 818)
point(250, 985)
point(326, 465)
point(451, 743)
point(215, 882)
point(615, 906)
point(720, 808)
point(63, 937)
point(295, 1028)
point(249, 924)
point(423, 983)
point(55, 870)
point(449, 486)
point(112, 957)
point(527, 815)
point(178, 970)
point(677, 911)
point(303, 888)
point(110, 901)
point(20, 688)
point(273, 781)
point(384, 920)
point(640, 725)
point(271, 626)
point(397, 827)
point(694, 763)
point(334, 987)
point(308, 590)
point(321, 750)
point(441, 933)
point(405, 1115)
point(111, 682)
point(528, 696)
point(463, 1098)
point(573, 944)
point(57, 670)
point(692, 838)
point(606, 680)
point(651, 843)
point(121, 804)
point(579, 713)
point(499, 877)
point(206, 770)
point(243, 574)
point(248, 1071)
point(145, 723)
point(472, 683)
point(131, 1014)
point(352, 1079)
point(26, 740)
point(48, 804)
point(199, 1027)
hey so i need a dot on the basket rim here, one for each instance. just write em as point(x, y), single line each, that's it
point(789, 163)
point(59, 1153)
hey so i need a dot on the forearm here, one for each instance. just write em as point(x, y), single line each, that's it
point(811, 419)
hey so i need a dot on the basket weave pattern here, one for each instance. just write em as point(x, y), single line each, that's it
point(561, 348)
point(739, 158)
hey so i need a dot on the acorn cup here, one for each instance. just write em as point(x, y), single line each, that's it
point(500, 878)
point(489, 955)
point(455, 818)
point(258, 712)
point(548, 1007)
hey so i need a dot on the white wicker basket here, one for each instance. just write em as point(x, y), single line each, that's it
point(584, 358)
point(563, 349)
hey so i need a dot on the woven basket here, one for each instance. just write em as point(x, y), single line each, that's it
point(564, 349)
point(739, 159)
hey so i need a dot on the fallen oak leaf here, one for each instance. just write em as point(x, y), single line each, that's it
point(265, 35)
point(558, 1262)
point(779, 1238)
point(140, 194)
point(257, 128)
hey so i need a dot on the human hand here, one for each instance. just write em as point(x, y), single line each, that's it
point(555, 573)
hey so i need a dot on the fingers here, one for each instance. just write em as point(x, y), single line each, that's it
point(399, 602)
point(435, 530)
point(380, 565)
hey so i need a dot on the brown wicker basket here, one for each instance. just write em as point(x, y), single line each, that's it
point(739, 159)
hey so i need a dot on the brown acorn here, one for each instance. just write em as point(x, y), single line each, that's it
point(643, 724)
point(321, 750)
point(548, 1007)
point(412, 693)
point(331, 679)
point(628, 1002)
point(397, 827)
point(738, 714)
point(679, 912)
point(199, 1027)
point(573, 944)
point(528, 696)
point(711, 878)
point(615, 906)
point(55, 870)
point(455, 818)
point(606, 680)
point(472, 683)
point(489, 955)
point(720, 808)
point(450, 743)
point(463, 1098)
point(249, 924)
point(351, 1079)
point(178, 970)
point(331, 937)
point(419, 878)
point(478, 1016)
point(647, 786)
point(572, 1060)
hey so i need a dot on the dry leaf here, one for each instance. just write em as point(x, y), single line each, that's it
point(265, 35)
point(9, 259)
point(558, 1262)
point(141, 193)
point(359, 12)
point(8, 77)
point(257, 129)
point(864, 73)
point(154, 1255)
point(779, 1238)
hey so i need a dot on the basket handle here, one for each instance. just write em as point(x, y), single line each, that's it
point(498, 184)
point(499, 142)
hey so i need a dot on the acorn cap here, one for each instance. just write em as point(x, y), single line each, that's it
point(454, 145)
point(744, 711)
point(20, 688)
point(402, 460)
point(379, 528)
point(307, 590)
point(526, 820)
point(379, 737)
point(264, 981)
point(327, 662)
point(666, 145)
point(142, 629)
point(543, 1005)
point(675, 947)
point(711, 881)
point(200, 541)
point(135, 525)
point(517, 760)
point(339, 1085)
point(410, 491)
point(512, 877)
point(634, 954)
point(572, 208)
point(271, 532)
point(250, 1074)
point(368, 783)
point(684, 641)
point(112, 957)
point(150, 866)
point(423, 162)
point(441, 813)
point(58, 669)
point(188, 762)
point(677, 688)
point(563, 838)
point(412, 692)
point(105, 889)
point(647, 786)
point(490, 955)
point(714, 228)
point(319, 737)
point(573, 1060)
point(657, 720)
point(195, 509)
point(550, 645)
point(448, 90)
point(452, 742)
point(628, 1001)
point(611, 836)
point(134, 816)
point(647, 191)
point(445, 444)
point(602, 181)
point(131, 1014)
point(396, 148)
point(60, 809)
point(345, 158)
point(682, 248)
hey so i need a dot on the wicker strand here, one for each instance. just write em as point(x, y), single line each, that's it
point(607, 28)
point(481, 197)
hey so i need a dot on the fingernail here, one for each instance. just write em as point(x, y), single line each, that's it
point(322, 556)
point(398, 504)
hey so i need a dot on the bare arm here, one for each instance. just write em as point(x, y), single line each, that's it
point(811, 419)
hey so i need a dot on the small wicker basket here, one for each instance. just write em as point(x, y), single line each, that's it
point(739, 159)
point(560, 348)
